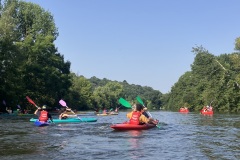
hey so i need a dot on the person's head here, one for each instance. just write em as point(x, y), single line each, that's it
point(139, 107)
point(44, 107)
point(134, 107)
point(64, 110)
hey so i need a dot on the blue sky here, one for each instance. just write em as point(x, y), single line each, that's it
point(145, 42)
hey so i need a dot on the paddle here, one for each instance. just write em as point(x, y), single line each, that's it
point(64, 104)
point(124, 103)
point(141, 102)
point(31, 101)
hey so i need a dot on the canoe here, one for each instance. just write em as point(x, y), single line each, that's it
point(206, 112)
point(71, 120)
point(41, 123)
point(127, 126)
point(183, 110)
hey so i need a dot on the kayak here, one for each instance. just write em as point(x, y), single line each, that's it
point(183, 110)
point(70, 120)
point(127, 126)
point(206, 112)
point(41, 123)
point(102, 114)
point(113, 113)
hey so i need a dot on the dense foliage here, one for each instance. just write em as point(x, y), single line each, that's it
point(213, 80)
point(30, 65)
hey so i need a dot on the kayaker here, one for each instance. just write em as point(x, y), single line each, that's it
point(210, 108)
point(116, 110)
point(137, 116)
point(64, 114)
point(105, 111)
point(145, 112)
point(134, 107)
point(43, 115)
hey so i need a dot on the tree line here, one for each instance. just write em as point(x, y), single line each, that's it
point(213, 80)
point(30, 65)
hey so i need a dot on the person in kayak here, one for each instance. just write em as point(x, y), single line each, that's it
point(137, 117)
point(134, 108)
point(43, 114)
point(64, 114)
point(145, 112)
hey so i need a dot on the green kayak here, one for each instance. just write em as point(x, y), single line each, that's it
point(70, 120)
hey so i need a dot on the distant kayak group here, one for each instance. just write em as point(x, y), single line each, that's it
point(206, 110)
point(105, 112)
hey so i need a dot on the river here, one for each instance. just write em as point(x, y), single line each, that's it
point(179, 136)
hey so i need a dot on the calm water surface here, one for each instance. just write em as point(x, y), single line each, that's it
point(180, 136)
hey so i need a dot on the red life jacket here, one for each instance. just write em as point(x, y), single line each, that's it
point(135, 118)
point(43, 116)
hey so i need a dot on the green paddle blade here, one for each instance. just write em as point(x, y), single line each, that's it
point(124, 103)
point(140, 100)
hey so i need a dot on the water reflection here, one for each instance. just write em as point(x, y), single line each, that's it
point(134, 138)
point(135, 142)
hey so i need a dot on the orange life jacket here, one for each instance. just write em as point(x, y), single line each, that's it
point(135, 118)
point(43, 116)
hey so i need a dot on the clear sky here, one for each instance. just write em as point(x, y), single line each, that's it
point(145, 42)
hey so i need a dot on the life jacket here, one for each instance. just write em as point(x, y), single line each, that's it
point(43, 116)
point(135, 118)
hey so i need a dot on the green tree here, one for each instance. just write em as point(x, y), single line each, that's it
point(10, 56)
point(213, 80)
point(107, 96)
point(80, 95)
point(30, 55)
point(237, 44)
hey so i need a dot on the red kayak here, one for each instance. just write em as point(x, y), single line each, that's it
point(127, 126)
point(183, 110)
point(206, 112)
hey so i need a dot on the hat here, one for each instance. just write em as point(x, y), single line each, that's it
point(44, 107)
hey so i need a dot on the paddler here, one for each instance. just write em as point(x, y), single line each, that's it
point(137, 117)
point(43, 114)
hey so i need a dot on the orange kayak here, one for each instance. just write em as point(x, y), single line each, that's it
point(206, 112)
point(183, 110)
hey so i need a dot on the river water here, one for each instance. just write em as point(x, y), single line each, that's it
point(179, 136)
